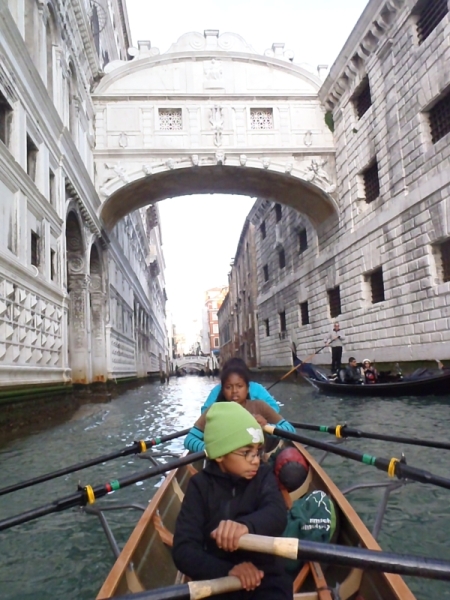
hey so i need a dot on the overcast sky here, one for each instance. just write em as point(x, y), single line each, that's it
point(200, 233)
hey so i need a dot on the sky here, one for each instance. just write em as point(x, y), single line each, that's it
point(200, 233)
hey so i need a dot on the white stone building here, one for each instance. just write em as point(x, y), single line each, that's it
point(76, 304)
point(382, 269)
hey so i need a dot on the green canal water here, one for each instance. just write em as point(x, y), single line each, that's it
point(66, 556)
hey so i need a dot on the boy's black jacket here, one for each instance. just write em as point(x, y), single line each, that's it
point(213, 496)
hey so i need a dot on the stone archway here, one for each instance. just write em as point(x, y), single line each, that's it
point(78, 289)
point(97, 316)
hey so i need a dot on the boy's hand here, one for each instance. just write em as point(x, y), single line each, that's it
point(249, 576)
point(261, 420)
point(227, 535)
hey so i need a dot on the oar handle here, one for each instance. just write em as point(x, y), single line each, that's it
point(401, 564)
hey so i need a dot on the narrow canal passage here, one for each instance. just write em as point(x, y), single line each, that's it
point(66, 556)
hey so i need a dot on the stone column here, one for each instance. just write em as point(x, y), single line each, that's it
point(79, 329)
point(98, 335)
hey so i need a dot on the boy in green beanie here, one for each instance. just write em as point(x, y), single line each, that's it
point(232, 496)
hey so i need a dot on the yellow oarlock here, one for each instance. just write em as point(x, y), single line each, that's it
point(338, 433)
point(391, 467)
point(143, 446)
point(90, 494)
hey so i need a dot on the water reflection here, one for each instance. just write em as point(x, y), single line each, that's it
point(65, 555)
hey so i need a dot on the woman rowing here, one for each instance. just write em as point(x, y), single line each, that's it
point(235, 388)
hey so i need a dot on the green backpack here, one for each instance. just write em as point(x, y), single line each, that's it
point(313, 518)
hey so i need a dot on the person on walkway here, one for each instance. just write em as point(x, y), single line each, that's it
point(235, 388)
point(353, 374)
point(370, 373)
point(232, 496)
point(256, 390)
point(335, 340)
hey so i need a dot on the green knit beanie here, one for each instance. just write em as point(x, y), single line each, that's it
point(229, 427)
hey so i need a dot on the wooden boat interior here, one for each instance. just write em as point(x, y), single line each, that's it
point(145, 562)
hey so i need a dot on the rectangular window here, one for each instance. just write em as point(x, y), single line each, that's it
point(429, 14)
point(263, 230)
point(32, 152)
point(334, 301)
point(5, 119)
point(267, 327)
point(362, 100)
point(53, 265)
point(302, 241)
point(52, 187)
point(282, 316)
point(34, 249)
point(304, 313)
point(442, 257)
point(216, 342)
point(281, 258)
point(170, 119)
point(266, 272)
point(278, 212)
point(261, 118)
point(439, 118)
point(371, 182)
point(375, 278)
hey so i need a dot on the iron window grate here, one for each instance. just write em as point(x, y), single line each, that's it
point(377, 285)
point(431, 14)
point(362, 99)
point(304, 313)
point(439, 117)
point(302, 240)
point(334, 300)
point(445, 257)
point(371, 182)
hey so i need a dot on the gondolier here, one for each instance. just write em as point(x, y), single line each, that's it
point(336, 341)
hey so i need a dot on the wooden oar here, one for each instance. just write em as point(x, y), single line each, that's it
point(135, 448)
point(307, 359)
point(393, 466)
point(343, 431)
point(401, 564)
point(194, 590)
point(89, 494)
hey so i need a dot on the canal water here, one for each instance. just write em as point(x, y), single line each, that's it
point(66, 556)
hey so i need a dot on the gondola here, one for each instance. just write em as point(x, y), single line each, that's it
point(145, 562)
point(420, 383)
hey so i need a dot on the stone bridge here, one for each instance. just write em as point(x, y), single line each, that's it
point(192, 362)
point(212, 115)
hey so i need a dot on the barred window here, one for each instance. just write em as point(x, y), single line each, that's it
point(362, 99)
point(334, 301)
point(371, 182)
point(282, 316)
point(304, 313)
point(442, 257)
point(278, 212)
point(267, 327)
point(439, 118)
point(429, 14)
point(376, 281)
point(263, 230)
point(261, 118)
point(170, 119)
point(266, 272)
point(302, 240)
point(281, 258)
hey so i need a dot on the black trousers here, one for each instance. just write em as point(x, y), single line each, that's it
point(273, 587)
point(336, 357)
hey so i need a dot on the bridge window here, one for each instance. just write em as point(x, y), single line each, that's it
point(442, 257)
point(371, 182)
point(375, 278)
point(439, 118)
point(262, 229)
point(281, 258)
point(170, 119)
point(302, 241)
point(429, 14)
point(267, 327)
point(304, 313)
point(334, 301)
point(266, 272)
point(362, 100)
point(261, 118)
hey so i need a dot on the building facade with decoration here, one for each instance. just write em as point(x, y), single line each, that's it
point(77, 304)
point(383, 270)
point(210, 322)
